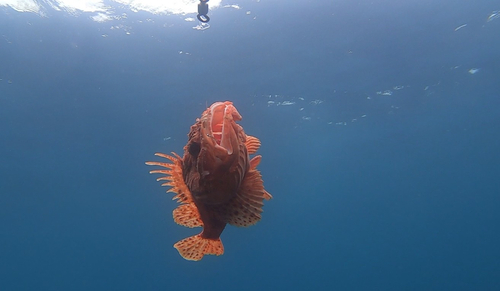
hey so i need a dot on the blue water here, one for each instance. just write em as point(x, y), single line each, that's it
point(384, 166)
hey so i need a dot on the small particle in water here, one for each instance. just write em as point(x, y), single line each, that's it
point(461, 26)
point(473, 71)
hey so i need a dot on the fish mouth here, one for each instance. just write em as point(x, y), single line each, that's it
point(221, 162)
point(219, 128)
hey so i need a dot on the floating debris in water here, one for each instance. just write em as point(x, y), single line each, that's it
point(232, 6)
point(494, 15)
point(316, 102)
point(461, 26)
point(473, 71)
point(202, 26)
point(385, 93)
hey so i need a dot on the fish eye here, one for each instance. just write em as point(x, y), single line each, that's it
point(194, 148)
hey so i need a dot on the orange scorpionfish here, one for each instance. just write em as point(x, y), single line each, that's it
point(215, 182)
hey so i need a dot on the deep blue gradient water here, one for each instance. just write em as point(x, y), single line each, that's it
point(384, 166)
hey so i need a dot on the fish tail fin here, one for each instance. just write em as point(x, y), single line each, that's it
point(195, 247)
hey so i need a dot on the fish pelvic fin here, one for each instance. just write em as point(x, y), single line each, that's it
point(187, 215)
point(195, 247)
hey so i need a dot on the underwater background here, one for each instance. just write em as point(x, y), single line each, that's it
point(380, 130)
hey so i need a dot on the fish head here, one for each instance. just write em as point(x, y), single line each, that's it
point(223, 157)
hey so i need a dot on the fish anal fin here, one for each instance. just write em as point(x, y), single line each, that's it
point(195, 247)
point(187, 215)
point(245, 208)
point(253, 144)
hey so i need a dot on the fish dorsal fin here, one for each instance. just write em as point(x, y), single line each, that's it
point(245, 208)
point(187, 215)
point(253, 166)
point(255, 161)
point(252, 144)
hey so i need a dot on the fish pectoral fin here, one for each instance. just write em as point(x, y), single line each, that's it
point(187, 215)
point(195, 247)
point(173, 176)
point(245, 208)
point(252, 144)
